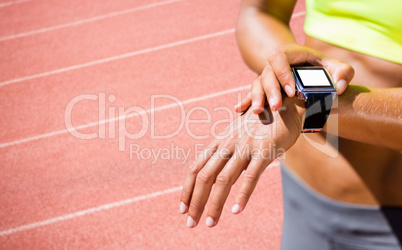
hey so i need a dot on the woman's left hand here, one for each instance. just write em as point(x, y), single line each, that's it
point(249, 144)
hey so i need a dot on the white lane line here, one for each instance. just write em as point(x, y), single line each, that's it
point(93, 19)
point(110, 205)
point(93, 124)
point(109, 59)
point(13, 2)
point(114, 58)
point(88, 211)
point(7, 144)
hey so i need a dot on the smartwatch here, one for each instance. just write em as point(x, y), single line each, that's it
point(315, 86)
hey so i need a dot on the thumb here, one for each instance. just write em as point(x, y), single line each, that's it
point(341, 73)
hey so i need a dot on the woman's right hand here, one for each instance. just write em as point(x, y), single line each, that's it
point(277, 74)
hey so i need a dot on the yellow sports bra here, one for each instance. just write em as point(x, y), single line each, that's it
point(372, 27)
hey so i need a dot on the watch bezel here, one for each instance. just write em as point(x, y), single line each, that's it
point(312, 89)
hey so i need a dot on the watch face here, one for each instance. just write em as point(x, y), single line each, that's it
point(313, 77)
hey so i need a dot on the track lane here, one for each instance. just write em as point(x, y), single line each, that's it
point(40, 109)
point(59, 175)
point(98, 40)
point(64, 174)
point(156, 223)
point(38, 14)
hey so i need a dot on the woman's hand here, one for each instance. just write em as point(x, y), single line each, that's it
point(249, 144)
point(277, 73)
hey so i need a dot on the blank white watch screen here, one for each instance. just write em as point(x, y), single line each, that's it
point(315, 78)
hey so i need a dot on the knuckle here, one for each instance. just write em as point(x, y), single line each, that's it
point(185, 194)
point(350, 71)
point(225, 147)
point(193, 168)
point(346, 71)
point(195, 206)
point(275, 53)
point(244, 195)
point(203, 177)
point(211, 151)
point(214, 207)
point(266, 77)
point(223, 179)
point(285, 47)
point(271, 57)
point(283, 76)
point(250, 176)
point(224, 153)
point(207, 153)
point(256, 81)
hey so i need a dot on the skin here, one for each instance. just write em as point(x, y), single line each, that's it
point(245, 145)
point(366, 169)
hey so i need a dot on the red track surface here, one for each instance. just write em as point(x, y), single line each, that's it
point(62, 192)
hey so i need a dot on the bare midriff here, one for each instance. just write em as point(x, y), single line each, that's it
point(357, 172)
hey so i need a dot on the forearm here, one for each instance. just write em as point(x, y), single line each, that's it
point(259, 30)
point(370, 115)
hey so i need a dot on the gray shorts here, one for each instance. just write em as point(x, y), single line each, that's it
point(313, 221)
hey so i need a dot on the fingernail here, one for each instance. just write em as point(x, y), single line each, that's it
point(288, 90)
point(236, 106)
point(341, 85)
point(272, 102)
point(183, 208)
point(190, 222)
point(236, 209)
point(210, 222)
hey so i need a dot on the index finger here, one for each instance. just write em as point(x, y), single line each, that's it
point(281, 67)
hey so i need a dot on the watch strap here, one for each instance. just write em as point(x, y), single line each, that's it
point(318, 107)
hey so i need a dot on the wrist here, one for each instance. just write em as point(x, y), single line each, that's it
point(295, 104)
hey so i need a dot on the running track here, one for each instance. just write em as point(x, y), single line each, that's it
point(62, 192)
